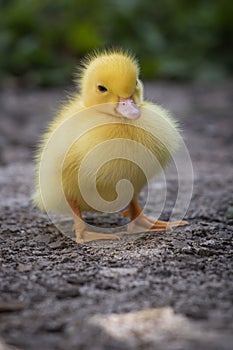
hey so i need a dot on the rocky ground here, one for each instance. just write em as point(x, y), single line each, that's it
point(163, 291)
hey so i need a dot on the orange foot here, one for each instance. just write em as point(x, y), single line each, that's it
point(88, 236)
point(82, 234)
point(141, 222)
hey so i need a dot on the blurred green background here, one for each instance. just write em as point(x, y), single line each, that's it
point(41, 41)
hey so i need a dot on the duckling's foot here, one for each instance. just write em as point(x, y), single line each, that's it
point(88, 236)
point(143, 223)
point(82, 235)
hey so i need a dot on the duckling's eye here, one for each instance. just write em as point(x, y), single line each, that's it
point(102, 88)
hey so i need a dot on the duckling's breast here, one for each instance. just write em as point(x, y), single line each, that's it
point(107, 154)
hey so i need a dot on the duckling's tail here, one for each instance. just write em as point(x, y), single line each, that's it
point(37, 200)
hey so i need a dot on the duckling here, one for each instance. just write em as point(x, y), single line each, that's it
point(136, 140)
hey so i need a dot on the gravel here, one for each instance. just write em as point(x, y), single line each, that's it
point(168, 290)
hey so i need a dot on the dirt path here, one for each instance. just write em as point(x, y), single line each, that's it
point(164, 291)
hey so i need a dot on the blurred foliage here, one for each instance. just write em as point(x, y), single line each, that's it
point(41, 41)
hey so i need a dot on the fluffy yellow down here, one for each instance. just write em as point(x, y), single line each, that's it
point(87, 132)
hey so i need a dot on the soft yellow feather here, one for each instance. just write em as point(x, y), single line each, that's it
point(89, 120)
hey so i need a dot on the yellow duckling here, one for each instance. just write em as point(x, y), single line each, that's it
point(104, 145)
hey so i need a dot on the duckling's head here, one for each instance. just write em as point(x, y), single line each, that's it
point(109, 81)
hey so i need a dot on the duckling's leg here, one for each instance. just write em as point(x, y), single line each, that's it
point(82, 235)
point(141, 222)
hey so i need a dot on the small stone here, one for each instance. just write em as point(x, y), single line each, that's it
point(56, 244)
point(69, 293)
point(24, 267)
point(11, 306)
point(54, 327)
point(230, 212)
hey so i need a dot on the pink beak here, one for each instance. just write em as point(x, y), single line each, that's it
point(127, 108)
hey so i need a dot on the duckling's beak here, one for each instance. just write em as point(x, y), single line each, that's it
point(127, 108)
